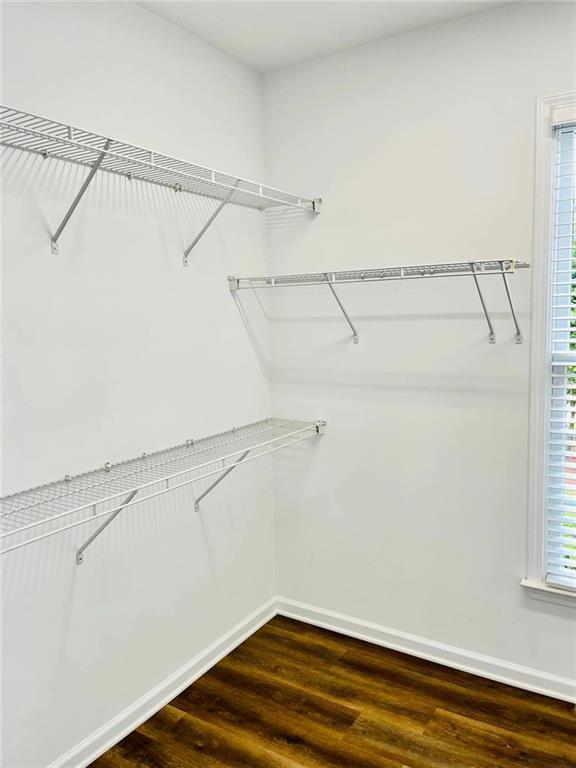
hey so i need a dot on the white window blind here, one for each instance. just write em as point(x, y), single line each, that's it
point(561, 480)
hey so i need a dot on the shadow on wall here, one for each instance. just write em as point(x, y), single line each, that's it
point(288, 225)
point(373, 385)
point(165, 530)
point(59, 181)
point(395, 322)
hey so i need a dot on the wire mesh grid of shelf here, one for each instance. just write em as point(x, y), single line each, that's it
point(49, 138)
point(41, 512)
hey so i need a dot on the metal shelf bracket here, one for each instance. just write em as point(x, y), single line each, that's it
point(206, 226)
point(330, 279)
point(491, 334)
point(506, 268)
point(98, 531)
point(98, 162)
point(519, 338)
point(213, 485)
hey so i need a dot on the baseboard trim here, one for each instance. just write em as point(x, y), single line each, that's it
point(97, 743)
point(486, 666)
point(526, 678)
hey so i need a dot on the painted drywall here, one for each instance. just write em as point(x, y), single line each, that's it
point(112, 348)
point(412, 513)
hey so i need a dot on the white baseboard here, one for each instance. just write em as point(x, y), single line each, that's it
point(486, 666)
point(97, 743)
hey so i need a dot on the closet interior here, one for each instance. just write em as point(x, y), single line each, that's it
point(288, 478)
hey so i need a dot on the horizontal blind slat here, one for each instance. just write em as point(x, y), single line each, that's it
point(561, 465)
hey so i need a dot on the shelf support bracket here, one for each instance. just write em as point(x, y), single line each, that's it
point(224, 474)
point(355, 338)
point(511, 303)
point(206, 226)
point(98, 531)
point(491, 334)
point(79, 196)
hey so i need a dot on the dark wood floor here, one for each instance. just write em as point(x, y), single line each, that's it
point(293, 696)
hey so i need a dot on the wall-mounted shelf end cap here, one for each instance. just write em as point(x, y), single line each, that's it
point(317, 204)
point(320, 427)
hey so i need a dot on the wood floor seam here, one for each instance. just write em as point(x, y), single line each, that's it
point(297, 696)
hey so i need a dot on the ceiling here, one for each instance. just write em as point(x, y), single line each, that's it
point(269, 35)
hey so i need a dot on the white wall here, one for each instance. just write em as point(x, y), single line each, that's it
point(112, 348)
point(88, 345)
point(412, 513)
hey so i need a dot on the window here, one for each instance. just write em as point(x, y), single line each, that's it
point(560, 527)
point(551, 568)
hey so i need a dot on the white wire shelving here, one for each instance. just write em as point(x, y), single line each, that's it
point(471, 269)
point(102, 494)
point(49, 138)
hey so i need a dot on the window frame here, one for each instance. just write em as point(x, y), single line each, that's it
point(535, 576)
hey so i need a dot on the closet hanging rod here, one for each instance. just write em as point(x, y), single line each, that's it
point(49, 138)
point(36, 514)
point(474, 269)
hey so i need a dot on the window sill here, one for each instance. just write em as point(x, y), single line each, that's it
point(540, 591)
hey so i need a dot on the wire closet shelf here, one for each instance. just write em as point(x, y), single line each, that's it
point(414, 272)
point(473, 269)
point(41, 512)
point(49, 138)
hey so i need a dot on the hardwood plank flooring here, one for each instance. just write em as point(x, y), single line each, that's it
point(294, 696)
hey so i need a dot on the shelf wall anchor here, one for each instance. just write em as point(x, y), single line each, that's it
point(98, 531)
point(491, 334)
point(320, 427)
point(206, 226)
point(219, 480)
point(79, 196)
point(355, 338)
point(511, 303)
